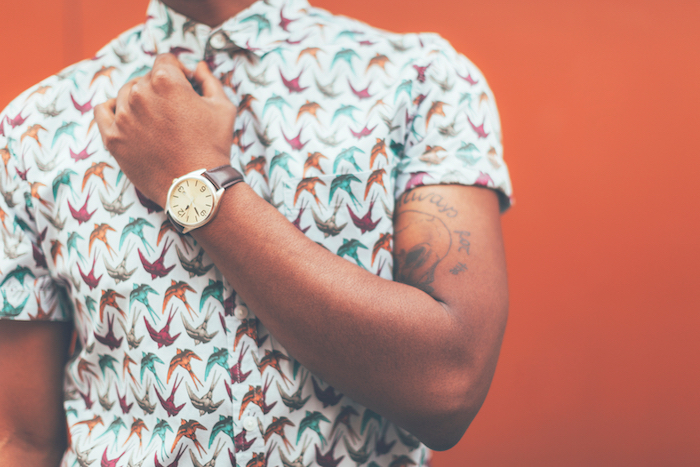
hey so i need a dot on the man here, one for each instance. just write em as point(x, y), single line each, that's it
point(269, 335)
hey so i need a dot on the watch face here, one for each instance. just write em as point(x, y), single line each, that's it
point(191, 201)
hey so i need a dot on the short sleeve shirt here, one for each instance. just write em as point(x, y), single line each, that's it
point(336, 119)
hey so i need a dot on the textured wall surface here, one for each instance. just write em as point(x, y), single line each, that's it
point(599, 103)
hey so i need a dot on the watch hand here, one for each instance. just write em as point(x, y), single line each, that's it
point(195, 210)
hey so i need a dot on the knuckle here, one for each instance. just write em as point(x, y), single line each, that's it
point(161, 79)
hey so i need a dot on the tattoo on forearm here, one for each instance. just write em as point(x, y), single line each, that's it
point(434, 198)
point(459, 268)
point(416, 266)
point(464, 243)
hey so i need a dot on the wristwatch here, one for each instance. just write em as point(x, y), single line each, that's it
point(193, 199)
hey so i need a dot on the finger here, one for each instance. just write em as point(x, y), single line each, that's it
point(170, 60)
point(211, 87)
point(123, 95)
point(104, 115)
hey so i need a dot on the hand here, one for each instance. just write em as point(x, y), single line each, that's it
point(158, 128)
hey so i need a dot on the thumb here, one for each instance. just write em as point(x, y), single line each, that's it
point(210, 86)
point(104, 116)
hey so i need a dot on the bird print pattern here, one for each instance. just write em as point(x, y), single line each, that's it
point(336, 119)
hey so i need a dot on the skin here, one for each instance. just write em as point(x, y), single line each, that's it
point(422, 352)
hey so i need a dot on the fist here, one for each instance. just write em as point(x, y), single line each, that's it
point(158, 128)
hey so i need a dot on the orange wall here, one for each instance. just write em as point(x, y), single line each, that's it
point(600, 103)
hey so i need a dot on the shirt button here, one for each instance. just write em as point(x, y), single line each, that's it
point(218, 40)
point(249, 424)
point(241, 312)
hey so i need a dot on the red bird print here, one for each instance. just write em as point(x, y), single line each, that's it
point(479, 130)
point(79, 156)
point(327, 460)
point(364, 132)
point(416, 180)
point(468, 79)
point(365, 223)
point(169, 403)
point(242, 444)
point(151, 206)
point(327, 396)
point(82, 214)
point(484, 179)
point(18, 120)
point(126, 408)
point(297, 221)
point(295, 142)
point(106, 462)
point(82, 108)
point(285, 22)
point(109, 339)
point(308, 184)
point(162, 337)
point(174, 463)
point(363, 94)
point(90, 278)
point(293, 85)
point(421, 72)
point(237, 374)
point(157, 268)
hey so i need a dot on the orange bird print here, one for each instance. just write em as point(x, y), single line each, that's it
point(188, 429)
point(100, 233)
point(313, 161)
point(6, 155)
point(384, 243)
point(310, 108)
point(435, 109)
point(245, 105)
point(104, 71)
point(92, 423)
point(308, 184)
point(375, 177)
point(98, 171)
point(310, 51)
point(178, 290)
point(109, 298)
point(378, 60)
point(136, 428)
point(248, 327)
point(377, 150)
point(183, 358)
point(35, 193)
point(271, 359)
point(257, 164)
point(277, 428)
point(33, 132)
point(56, 250)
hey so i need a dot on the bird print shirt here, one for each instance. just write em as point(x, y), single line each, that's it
point(336, 119)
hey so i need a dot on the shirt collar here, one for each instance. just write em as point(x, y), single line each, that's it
point(259, 28)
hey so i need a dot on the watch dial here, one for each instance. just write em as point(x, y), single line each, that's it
point(191, 201)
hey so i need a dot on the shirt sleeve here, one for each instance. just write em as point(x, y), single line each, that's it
point(28, 290)
point(453, 131)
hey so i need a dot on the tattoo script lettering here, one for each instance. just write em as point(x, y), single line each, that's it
point(434, 198)
point(463, 240)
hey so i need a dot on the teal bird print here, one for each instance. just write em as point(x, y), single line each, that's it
point(347, 55)
point(349, 248)
point(405, 86)
point(8, 310)
point(148, 362)
point(224, 425)
point(72, 244)
point(68, 128)
point(312, 421)
point(107, 363)
point(63, 178)
point(275, 101)
point(91, 304)
point(167, 28)
point(262, 22)
point(215, 290)
point(347, 155)
point(139, 72)
point(343, 182)
point(281, 159)
point(115, 427)
point(19, 273)
point(140, 294)
point(345, 111)
point(219, 357)
point(160, 430)
point(135, 226)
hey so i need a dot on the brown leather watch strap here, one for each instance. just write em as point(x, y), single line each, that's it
point(224, 176)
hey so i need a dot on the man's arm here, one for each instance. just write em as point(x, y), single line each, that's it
point(32, 419)
point(422, 353)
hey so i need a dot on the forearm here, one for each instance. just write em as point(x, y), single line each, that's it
point(387, 345)
point(15, 451)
